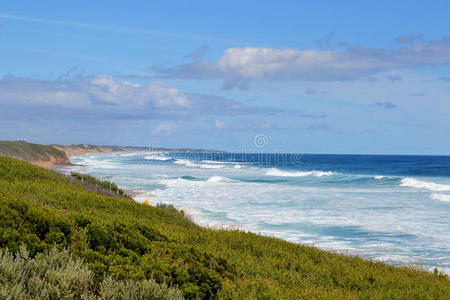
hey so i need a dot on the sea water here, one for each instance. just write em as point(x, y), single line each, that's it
point(394, 209)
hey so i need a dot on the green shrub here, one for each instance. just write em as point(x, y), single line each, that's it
point(92, 183)
point(130, 289)
point(170, 208)
point(55, 275)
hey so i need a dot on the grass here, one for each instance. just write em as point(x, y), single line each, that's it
point(31, 152)
point(118, 237)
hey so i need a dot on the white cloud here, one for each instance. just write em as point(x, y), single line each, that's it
point(100, 89)
point(157, 94)
point(105, 98)
point(238, 66)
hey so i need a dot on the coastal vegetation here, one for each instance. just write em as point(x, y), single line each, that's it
point(32, 152)
point(120, 246)
point(104, 187)
point(55, 274)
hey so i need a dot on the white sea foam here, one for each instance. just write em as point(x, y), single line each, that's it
point(419, 184)
point(217, 162)
point(379, 177)
point(126, 154)
point(210, 166)
point(277, 172)
point(156, 157)
point(440, 197)
point(218, 179)
point(97, 163)
point(189, 163)
point(185, 162)
point(181, 182)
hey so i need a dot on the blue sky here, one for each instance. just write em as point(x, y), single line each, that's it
point(312, 77)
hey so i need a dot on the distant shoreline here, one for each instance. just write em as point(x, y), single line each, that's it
point(53, 156)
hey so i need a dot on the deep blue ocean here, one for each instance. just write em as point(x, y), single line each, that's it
point(388, 208)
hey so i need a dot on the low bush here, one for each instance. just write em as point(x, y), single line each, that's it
point(56, 275)
point(100, 185)
point(177, 212)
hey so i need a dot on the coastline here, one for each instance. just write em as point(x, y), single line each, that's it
point(154, 197)
point(78, 150)
point(75, 150)
point(54, 156)
point(165, 243)
point(212, 188)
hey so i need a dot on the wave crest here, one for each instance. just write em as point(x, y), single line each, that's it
point(280, 173)
point(217, 179)
point(189, 163)
point(419, 184)
point(157, 157)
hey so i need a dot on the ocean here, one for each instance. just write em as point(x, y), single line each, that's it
point(389, 208)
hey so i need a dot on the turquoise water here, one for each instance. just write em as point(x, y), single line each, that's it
point(394, 209)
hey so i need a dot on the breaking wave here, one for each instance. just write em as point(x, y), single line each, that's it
point(277, 172)
point(157, 157)
point(419, 184)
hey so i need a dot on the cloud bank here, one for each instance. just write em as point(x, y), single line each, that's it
point(102, 109)
point(101, 90)
point(240, 66)
point(105, 97)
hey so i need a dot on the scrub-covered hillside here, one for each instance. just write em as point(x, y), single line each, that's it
point(118, 241)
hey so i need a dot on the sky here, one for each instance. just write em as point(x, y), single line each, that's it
point(269, 76)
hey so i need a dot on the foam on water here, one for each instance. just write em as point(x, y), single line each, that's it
point(441, 197)
point(277, 172)
point(207, 166)
point(157, 157)
point(217, 179)
point(419, 184)
point(217, 162)
point(185, 162)
point(189, 163)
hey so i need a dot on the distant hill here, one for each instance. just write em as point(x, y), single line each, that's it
point(80, 149)
point(38, 154)
point(50, 156)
